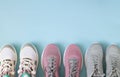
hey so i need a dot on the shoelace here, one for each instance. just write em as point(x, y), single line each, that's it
point(27, 65)
point(73, 67)
point(96, 71)
point(6, 67)
point(51, 67)
point(115, 72)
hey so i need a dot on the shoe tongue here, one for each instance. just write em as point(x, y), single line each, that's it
point(25, 75)
point(6, 76)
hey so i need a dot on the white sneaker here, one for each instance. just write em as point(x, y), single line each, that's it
point(93, 61)
point(28, 61)
point(113, 61)
point(8, 60)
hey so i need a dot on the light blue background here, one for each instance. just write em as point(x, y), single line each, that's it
point(61, 22)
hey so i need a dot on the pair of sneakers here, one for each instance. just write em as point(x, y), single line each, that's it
point(94, 59)
point(51, 60)
point(28, 61)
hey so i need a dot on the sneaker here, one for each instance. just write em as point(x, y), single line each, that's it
point(72, 61)
point(113, 61)
point(8, 60)
point(28, 61)
point(93, 61)
point(51, 60)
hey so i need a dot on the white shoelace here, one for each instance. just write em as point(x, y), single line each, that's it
point(51, 67)
point(6, 67)
point(27, 65)
point(115, 72)
point(73, 67)
point(96, 71)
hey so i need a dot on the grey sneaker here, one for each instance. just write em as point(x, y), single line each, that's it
point(113, 61)
point(93, 61)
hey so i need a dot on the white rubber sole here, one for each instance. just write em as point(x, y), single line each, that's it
point(86, 57)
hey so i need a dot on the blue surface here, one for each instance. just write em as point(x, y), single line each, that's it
point(61, 22)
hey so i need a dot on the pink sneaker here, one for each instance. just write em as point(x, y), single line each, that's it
point(72, 61)
point(51, 60)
